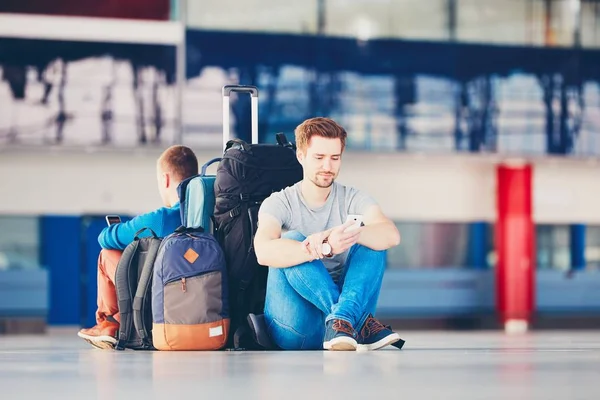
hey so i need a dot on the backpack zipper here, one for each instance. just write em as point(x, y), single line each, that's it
point(183, 285)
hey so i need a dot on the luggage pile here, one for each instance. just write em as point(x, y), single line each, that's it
point(201, 288)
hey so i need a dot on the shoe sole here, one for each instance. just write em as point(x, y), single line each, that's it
point(386, 341)
point(100, 342)
point(341, 344)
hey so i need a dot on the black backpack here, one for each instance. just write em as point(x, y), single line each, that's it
point(133, 284)
point(248, 174)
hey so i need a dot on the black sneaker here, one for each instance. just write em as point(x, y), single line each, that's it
point(339, 335)
point(374, 335)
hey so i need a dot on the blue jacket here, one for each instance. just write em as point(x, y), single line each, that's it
point(163, 222)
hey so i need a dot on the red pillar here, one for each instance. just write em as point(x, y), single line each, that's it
point(515, 274)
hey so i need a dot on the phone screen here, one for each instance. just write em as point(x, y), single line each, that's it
point(112, 219)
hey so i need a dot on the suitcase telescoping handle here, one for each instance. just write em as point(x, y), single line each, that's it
point(253, 91)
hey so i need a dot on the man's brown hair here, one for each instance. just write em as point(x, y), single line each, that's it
point(180, 161)
point(318, 126)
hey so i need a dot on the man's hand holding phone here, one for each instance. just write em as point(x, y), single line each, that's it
point(345, 236)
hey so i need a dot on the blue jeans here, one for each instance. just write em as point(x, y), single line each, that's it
point(302, 298)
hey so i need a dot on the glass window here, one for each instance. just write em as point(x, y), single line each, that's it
point(590, 29)
point(363, 19)
point(528, 22)
point(441, 245)
point(471, 245)
point(489, 21)
point(367, 19)
point(19, 242)
point(553, 247)
point(563, 20)
point(592, 247)
point(292, 16)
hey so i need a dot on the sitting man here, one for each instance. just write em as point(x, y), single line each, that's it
point(174, 165)
point(325, 274)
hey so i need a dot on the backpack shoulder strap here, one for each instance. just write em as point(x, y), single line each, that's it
point(123, 296)
point(143, 284)
point(251, 256)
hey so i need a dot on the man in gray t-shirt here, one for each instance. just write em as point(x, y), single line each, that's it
point(324, 244)
point(294, 214)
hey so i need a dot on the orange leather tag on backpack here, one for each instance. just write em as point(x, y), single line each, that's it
point(191, 256)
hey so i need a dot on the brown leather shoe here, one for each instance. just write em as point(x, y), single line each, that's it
point(102, 336)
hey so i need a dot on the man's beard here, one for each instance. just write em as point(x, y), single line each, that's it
point(323, 185)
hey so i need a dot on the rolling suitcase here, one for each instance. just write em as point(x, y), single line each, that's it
point(197, 193)
point(247, 174)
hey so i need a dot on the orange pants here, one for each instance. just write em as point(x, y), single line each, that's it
point(107, 295)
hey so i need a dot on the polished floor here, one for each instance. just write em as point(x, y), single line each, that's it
point(433, 365)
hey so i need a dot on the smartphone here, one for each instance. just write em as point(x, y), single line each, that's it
point(357, 219)
point(112, 219)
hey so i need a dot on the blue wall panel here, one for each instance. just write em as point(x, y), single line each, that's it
point(61, 252)
point(478, 238)
point(577, 245)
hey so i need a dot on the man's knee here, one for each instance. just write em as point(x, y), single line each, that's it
point(108, 262)
point(375, 255)
point(110, 256)
point(294, 235)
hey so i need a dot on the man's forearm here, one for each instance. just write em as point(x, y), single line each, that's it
point(380, 236)
point(282, 253)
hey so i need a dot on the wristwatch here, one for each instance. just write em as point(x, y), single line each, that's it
point(326, 249)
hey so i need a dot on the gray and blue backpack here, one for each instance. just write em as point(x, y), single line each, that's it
point(173, 292)
point(190, 308)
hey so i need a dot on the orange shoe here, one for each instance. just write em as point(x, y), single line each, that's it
point(102, 336)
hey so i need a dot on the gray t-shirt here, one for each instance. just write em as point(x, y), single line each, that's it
point(290, 209)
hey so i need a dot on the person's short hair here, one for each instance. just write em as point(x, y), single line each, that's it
point(318, 126)
point(179, 161)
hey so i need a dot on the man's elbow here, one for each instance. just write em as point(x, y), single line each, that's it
point(395, 237)
point(396, 240)
point(260, 259)
point(261, 254)
point(102, 240)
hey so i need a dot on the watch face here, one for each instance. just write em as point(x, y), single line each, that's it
point(326, 248)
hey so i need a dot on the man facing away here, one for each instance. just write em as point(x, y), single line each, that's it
point(175, 164)
point(325, 273)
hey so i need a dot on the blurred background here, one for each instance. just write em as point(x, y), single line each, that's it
point(436, 95)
